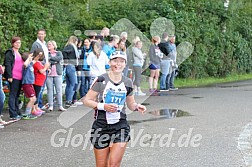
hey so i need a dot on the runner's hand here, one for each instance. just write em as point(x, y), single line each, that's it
point(111, 107)
point(141, 108)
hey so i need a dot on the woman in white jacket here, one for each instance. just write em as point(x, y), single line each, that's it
point(97, 60)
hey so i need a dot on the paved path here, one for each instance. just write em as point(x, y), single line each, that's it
point(212, 128)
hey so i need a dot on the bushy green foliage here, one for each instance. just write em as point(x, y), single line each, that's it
point(216, 53)
point(202, 23)
point(25, 17)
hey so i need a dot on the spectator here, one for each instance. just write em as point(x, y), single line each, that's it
point(97, 60)
point(173, 54)
point(111, 46)
point(2, 96)
point(71, 55)
point(104, 34)
point(28, 81)
point(135, 40)
point(165, 62)
point(138, 57)
point(40, 76)
point(80, 77)
point(123, 47)
point(92, 36)
point(124, 36)
point(155, 56)
point(40, 43)
point(13, 73)
point(129, 53)
point(55, 76)
point(85, 85)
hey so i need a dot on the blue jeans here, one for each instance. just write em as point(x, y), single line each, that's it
point(85, 83)
point(15, 88)
point(164, 68)
point(2, 96)
point(170, 80)
point(40, 97)
point(77, 88)
point(71, 82)
point(125, 71)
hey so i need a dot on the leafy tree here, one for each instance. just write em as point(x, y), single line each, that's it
point(221, 36)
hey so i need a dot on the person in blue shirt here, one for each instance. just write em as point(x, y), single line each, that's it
point(28, 81)
point(85, 85)
point(111, 46)
point(173, 55)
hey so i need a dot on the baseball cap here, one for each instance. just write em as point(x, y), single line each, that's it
point(116, 54)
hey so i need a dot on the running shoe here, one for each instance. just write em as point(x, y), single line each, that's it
point(78, 103)
point(18, 117)
point(173, 89)
point(36, 113)
point(73, 105)
point(2, 122)
point(28, 117)
point(62, 109)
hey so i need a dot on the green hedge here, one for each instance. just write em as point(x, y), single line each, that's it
point(216, 53)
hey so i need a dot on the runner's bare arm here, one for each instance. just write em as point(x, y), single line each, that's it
point(90, 99)
point(132, 105)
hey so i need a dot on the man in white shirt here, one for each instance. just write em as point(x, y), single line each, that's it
point(40, 43)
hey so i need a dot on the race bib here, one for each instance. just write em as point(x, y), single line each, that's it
point(118, 98)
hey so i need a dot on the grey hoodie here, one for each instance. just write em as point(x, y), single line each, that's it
point(137, 56)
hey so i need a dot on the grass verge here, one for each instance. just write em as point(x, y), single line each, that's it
point(208, 81)
point(189, 82)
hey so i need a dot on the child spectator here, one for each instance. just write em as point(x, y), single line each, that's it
point(28, 81)
point(40, 77)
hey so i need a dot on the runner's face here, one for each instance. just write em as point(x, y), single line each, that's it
point(117, 64)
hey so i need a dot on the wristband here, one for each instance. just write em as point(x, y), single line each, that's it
point(100, 106)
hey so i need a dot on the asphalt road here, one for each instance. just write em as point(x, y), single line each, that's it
point(195, 127)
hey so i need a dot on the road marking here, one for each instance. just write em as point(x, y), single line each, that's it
point(244, 144)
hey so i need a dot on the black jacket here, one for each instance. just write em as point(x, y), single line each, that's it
point(69, 55)
point(9, 61)
point(164, 47)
